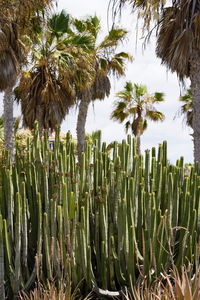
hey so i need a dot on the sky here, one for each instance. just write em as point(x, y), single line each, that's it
point(145, 69)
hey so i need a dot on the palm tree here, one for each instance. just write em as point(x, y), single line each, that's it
point(59, 66)
point(16, 19)
point(187, 108)
point(178, 44)
point(106, 62)
point(135, 106)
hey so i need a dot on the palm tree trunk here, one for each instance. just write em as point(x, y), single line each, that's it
point(8, 120)
point(81, 121)
point(138, 144)
point(195, 85)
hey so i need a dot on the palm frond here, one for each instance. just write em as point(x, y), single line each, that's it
point(79, 25)
point(83, 40)
point(118, 62)
point(187, 108)
point(187, 97)
point(158, 97)
point(155, 115)
point(101, 86)
point(140, 90)
point(93, 24)
point(113, 38)
point(133, 110)
point(59, 23)
point(44, 98)
point(119, 116)
point(120, 113)
point(129, 87)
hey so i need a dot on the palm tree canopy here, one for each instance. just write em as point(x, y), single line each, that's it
point(134, 105)
point(60, 65)
point(106, 61)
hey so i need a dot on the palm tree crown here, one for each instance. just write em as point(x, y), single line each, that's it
point(135, 106)
point(59, 65)
point(106, 62)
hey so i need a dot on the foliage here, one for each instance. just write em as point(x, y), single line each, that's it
point(106, 60)
point(135, 106)
point(110, 222)
point(171, 286)
point(16, 20)
point(187, 108)
point(53, 293)
point(20, 135)
point(60, 65)
point(177, 24)
point(176, 286)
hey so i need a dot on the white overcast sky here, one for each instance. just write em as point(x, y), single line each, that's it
point(145, 69)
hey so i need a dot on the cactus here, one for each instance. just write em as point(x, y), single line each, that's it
point(112, 220)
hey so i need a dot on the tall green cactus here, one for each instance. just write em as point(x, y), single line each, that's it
point(111, 220)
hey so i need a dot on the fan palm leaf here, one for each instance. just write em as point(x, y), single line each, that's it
point(155, 115)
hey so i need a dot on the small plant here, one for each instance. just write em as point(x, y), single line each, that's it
point(174, 286)
point(134, 107)
point(52, 293)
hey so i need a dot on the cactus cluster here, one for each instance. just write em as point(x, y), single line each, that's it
point(109, 221)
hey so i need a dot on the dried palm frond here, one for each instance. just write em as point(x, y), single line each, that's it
point(11, 53)
point(178, 35)
point(101, 86)
point(23, 9)
point(177, 25)
point(61, 67)
point(9, 69)
point(44, 98)
point(155, 115)
point(147, 10)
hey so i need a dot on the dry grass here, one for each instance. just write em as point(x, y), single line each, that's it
point(175, 286)
point(52, 293)
point(171, 287)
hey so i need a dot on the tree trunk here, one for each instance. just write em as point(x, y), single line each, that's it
point(195, 86)
point(81, 121)
point(8, 120)
point(138, 144)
